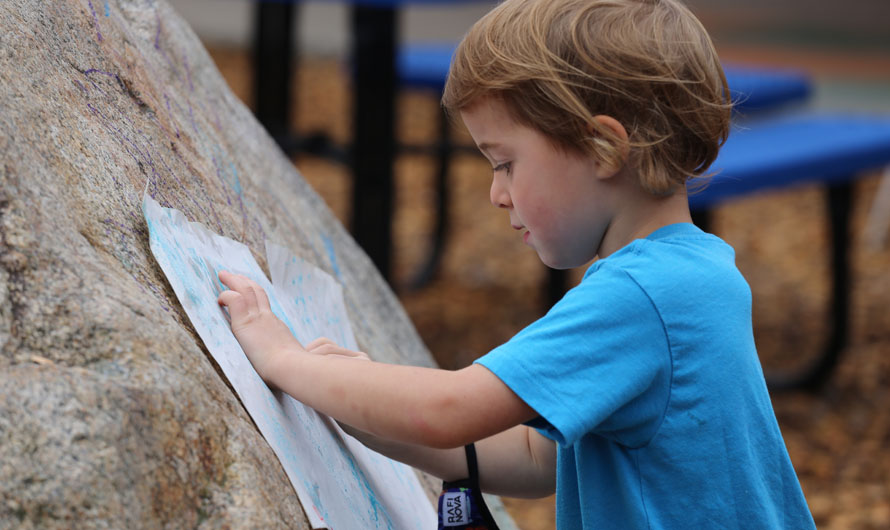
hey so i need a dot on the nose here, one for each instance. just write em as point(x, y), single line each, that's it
point(498, 194)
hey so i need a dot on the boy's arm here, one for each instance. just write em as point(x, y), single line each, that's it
point(430, 407)
point(518, 462)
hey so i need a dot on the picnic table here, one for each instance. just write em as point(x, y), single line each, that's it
point(768, 148)
point(374, 51)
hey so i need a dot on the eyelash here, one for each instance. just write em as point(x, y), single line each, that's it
point(501, 167)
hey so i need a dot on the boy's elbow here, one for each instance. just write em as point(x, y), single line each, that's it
point(444, 440)
point(437, 425)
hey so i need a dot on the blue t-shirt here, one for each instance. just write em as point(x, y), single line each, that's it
point(647, 376)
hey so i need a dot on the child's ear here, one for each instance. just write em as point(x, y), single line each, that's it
point(612, 137)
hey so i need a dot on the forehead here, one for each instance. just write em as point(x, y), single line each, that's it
point(491, 123)
point(487, 119)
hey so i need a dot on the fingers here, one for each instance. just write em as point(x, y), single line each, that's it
point(233, 301)
point(319, 342)
point(248, 302)
point(245, 298)
point(325, 346)
point(262, 299)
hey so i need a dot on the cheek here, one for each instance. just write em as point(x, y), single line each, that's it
point(542, 216)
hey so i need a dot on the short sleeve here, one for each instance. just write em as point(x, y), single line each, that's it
point(599, 362)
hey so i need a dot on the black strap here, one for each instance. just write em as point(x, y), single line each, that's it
point(473, 469)
point(472, 465)
point(471, 483)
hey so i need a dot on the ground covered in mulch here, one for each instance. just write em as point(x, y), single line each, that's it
point(490, 285)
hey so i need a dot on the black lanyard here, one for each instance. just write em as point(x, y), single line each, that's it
point(461, 506)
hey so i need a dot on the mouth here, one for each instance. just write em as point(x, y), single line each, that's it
point(524, 236)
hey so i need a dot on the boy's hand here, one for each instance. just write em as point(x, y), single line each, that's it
point(264, 338)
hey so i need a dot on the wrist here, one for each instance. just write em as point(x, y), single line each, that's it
point(280, 366)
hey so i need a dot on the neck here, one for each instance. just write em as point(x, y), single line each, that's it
point(640, 215)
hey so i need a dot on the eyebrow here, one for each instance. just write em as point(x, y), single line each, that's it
point(484, 148)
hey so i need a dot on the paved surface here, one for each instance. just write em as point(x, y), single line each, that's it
point(324, 25)
point(845, 47)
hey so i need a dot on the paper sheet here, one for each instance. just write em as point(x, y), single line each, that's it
point(341, 484)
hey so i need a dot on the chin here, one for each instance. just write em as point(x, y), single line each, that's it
point(561, 264)
point(557, 264)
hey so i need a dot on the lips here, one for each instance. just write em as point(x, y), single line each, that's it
point(520, 227)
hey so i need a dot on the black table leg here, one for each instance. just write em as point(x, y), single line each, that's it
point(444, 150)
point(839, 200)
point(840, 205)
point(373, 146)
point(702, 219)
point(557, 285)
point(273, 67)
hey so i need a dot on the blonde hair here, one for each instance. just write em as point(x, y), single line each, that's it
point(556, 64)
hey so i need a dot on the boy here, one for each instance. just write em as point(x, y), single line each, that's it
point(639, 397)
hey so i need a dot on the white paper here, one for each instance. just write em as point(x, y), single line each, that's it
point(341, 484)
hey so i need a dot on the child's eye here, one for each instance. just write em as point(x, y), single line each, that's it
point(505, 166)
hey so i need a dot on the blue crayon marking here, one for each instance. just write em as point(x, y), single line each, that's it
point(329, 245)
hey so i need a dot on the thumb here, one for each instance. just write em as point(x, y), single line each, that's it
point(234, 302)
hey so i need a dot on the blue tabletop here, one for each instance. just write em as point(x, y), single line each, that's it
point(755, 88)
point(819, 147)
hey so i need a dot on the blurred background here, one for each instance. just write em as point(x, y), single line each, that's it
point(488, 285)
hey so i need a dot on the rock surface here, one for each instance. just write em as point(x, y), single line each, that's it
point(112, 413)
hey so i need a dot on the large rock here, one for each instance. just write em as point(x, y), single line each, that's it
point(112, 413)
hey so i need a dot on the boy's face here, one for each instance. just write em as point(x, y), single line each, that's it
point(556, 197)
